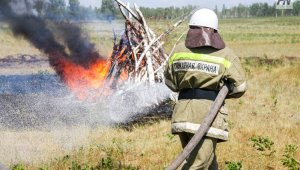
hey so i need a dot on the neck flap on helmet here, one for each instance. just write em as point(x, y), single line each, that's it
point(198, 37)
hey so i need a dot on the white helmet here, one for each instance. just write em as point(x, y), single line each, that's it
point(204, 18)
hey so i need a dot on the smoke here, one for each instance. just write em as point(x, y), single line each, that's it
point(44, 35)
point(81, 50)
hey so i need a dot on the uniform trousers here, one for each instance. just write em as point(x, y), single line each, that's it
point(203, 157)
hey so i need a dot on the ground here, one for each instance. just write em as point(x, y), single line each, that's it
point(263, 122)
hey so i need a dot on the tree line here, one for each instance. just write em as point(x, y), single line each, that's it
point(60, 10)
point(166, 13)
point(257, 10)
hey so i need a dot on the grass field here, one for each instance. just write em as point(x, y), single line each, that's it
point(253, 37)
point(263, 123)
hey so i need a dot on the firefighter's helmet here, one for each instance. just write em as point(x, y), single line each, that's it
point(204, 18)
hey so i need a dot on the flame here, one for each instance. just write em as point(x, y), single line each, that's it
point(84, 82)
point(90, 82)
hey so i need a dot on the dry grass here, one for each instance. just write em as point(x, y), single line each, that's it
point(11, 45)
point(149, 146)
point(35, 146)
point(270, 108)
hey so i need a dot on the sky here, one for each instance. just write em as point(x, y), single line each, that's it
point(165, 3)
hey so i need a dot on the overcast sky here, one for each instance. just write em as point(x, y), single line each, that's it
point(165, 3)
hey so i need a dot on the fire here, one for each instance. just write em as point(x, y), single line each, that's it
point(85, 82)
point(91, 81)
point(95, 77)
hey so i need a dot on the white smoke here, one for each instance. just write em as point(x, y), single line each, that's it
point(123, 106)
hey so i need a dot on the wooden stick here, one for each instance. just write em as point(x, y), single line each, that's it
point(158, 47)
point(143, 22)
point(205, 125)
point(175, 44)
point(171, 53)
point(147, 47)
point(148, 50)
point(158, 38)
point(129, 10)
point(123, 12)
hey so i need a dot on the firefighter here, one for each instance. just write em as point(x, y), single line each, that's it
point(197, 74)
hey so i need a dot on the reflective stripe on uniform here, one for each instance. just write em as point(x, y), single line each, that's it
point(200, 57)
point(192, 127)
point(191, 65)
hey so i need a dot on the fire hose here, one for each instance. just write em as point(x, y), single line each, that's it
point(205, 125)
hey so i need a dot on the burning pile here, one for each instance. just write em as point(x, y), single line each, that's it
point(139, 56)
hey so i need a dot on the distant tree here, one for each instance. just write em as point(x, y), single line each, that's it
point(223, 12)
point(89, 12)
point(74, 9)
point(39, 6)
point(216, 10)
point(241, 11)
point(272, 10)
point(265, 9)
point(254, 8)
point(108, 9)
point(166, 13)
point(296, 9)
point(56, 9)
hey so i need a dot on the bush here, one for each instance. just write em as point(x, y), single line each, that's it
point(289, 160)
point(233, 165)
point(261, 143)
point(18, 167)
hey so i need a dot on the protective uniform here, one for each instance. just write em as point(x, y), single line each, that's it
point(197, 75)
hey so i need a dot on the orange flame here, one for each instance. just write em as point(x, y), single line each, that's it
point(84, 82)
point(90, 82)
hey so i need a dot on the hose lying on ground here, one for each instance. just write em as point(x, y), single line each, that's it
point(205, 125)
